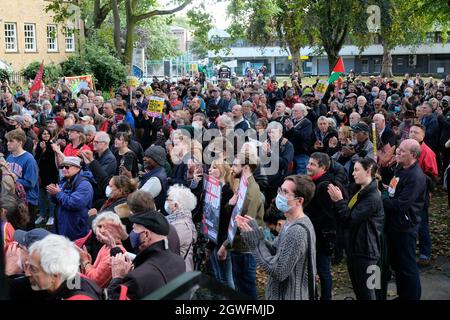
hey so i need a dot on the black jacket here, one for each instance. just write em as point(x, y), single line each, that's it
point(301, 136)
point(322, 213)
point(153, 268)
point(48, 172)
point(363, 223)
point(87, 288)
point(404, 208)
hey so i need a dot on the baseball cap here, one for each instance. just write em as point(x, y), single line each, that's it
point(360, 127)
point(71, 161)
point(27, 238)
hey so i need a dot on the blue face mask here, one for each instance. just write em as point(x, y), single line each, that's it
point(397, 108)
point(135, 240)
point(408, 94)
point(282, 203)
point(167, 208)
point(374, 94)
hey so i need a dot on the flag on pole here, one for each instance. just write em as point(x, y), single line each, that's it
point(338, 71)
point(37, 80)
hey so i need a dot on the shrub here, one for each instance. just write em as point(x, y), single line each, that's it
point(107, 70)
point(4, 75)
point(50, 75)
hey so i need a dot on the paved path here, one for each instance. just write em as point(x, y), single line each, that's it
point(435, 281)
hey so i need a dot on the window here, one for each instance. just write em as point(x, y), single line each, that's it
point(69, 34)
point(377, 65)
point(52, 38)
point(10, 37)
point(399, 61)
point(364, 66)
point(30, 37)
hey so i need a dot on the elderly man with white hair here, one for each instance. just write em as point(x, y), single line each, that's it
point(299, 132)
point(363, 108)
point(53, 266)
point(179, 205)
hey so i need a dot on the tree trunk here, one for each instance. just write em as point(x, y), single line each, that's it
point(386, 66)
point(333, 57)
point(116, 17)
point(296, 61)
point(129, 44)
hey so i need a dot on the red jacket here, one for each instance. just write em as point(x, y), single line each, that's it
point(427, 161)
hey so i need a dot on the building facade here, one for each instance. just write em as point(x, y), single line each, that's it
point(431, 58)
point(28, 34)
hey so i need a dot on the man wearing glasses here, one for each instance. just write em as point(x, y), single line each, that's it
point(74, 196)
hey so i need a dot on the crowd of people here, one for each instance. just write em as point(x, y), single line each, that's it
point(102, 199)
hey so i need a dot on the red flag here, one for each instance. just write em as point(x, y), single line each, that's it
point(339, 66)
point(37, 80)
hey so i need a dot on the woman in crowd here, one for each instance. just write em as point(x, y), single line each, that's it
point(179, 205)
point(221, 269)
point(13, 215)
point(48, 174)
point(110, 231)
point(362, 219)
point(126, 159)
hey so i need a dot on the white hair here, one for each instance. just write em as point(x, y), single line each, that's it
point(182, 196)
point(89, 129)
point(322, 118)
point(107, 215)
point(274, 125)
point(332, 122)
point(103, 136)
point(302, 107)
point(226, 121)
point(58, 256)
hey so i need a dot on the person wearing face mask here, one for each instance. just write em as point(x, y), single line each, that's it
point(290, 261)
point(154, 266)
point(362, 219)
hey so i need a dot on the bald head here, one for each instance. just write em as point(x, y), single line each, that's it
point(407, 153)
point(380, 121)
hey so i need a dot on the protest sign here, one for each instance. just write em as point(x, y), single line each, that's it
point(78, 83)
point(211, 207)
point(155, 106)
point(242, 193)
point(321, 88)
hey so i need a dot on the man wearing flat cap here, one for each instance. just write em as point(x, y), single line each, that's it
point(155, 179)
point(154, 265)
point(363, 146)
point(74, 195)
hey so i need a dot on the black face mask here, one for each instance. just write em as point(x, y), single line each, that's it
point(238, 176)
point(138, 96)
point(274, 232)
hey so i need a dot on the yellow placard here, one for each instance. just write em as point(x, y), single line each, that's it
point(304, 58)
point(132, 82)
point(148, 91)
point(155, 106)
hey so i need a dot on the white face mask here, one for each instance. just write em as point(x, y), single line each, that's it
point(108, 192)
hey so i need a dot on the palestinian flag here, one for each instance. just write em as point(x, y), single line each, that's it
point(337, 72)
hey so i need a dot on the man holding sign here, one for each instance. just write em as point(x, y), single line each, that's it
point(247, 201)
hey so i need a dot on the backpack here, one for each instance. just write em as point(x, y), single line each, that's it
point(93, 183)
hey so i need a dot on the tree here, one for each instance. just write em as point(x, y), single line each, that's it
point(266, 21)
point(136, 11)
point(330, 21)
point(402, 23)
